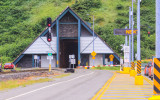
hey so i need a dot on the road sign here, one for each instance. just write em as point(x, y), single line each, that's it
point(49, 54)
point(50, 57)
point(126, 49)
point(71, 56)
point(125, 32)
point(93, 57)
point(73, 61)
point(35, 56)
point(93, 53)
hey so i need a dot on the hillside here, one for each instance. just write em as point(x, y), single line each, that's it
point(23, 20)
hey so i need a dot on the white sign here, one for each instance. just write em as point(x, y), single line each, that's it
point(121, 61)
point(35, 56)
point(50, 57)
point(126, 49)
point(71, 56)
point(126, 56)
point(73, 61)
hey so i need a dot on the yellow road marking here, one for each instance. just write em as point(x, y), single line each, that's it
point(111, 86)
point(125, 99)
point(129, 89)
point(129, 93)
point(149, 81)
point(98, 93)
point(95, 96)
point(99, 97)
point(128, 96)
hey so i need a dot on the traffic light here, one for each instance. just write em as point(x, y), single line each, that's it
point(148, 34)
point(49, 21)
point(49, 38)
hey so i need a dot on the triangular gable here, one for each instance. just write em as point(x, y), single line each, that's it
point(99, 45)
point(41, 46)
point(54, 23)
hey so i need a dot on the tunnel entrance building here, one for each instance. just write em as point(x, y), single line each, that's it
point(70, 35)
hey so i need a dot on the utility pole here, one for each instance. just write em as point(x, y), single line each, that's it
point(130, 37)
point(138, 40)
point(93, 37)
point(132, 40)
point(157, 28)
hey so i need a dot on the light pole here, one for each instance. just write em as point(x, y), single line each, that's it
point(138, 40)
point(93, 37)
point(130, 55)
point(132, 40)
point(157, 28)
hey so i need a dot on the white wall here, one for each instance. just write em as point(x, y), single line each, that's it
point(45, 61)
point(97, 61)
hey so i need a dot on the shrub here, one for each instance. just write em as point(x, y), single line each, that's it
point(119, 7)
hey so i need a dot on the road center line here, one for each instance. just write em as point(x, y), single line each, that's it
point(49, 86)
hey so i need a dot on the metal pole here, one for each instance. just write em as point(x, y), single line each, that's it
point(157, 28)
point(138, 35)
point(93, 37)
point(138, 40)
point(130, 37)
point(126, 38)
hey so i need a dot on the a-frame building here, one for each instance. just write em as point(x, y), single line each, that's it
point(70, 35)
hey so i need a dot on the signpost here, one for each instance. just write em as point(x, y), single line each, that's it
point(93, 56)
point(126, 55)
point(50, 57)
point(72, 61)
point(125, 32)
point(35, 59)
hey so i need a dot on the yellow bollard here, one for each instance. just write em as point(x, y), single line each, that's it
point(139, 80)
point(49, 67)
point(155, 97)
point(132, 73)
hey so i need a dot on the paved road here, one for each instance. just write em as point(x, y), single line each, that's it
point(122, 87)
point(82, 85)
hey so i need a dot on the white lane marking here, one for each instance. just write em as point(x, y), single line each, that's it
point(48, 86)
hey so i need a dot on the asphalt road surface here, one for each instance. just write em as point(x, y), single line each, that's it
point(82, 85)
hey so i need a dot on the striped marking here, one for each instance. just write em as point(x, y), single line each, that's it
point(132, 65)
point(156, 81)
point(139, 67)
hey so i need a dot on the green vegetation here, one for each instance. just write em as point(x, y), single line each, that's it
point(21, 21)
point(16, 83)
point(28, 81)
point(108, 68)
point(62, 75)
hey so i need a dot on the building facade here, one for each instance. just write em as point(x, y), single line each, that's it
point(70, 35)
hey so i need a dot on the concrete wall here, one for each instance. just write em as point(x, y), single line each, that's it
point(97, 61)
point(45, 61)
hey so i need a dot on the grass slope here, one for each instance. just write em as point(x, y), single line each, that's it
point(22, 21)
